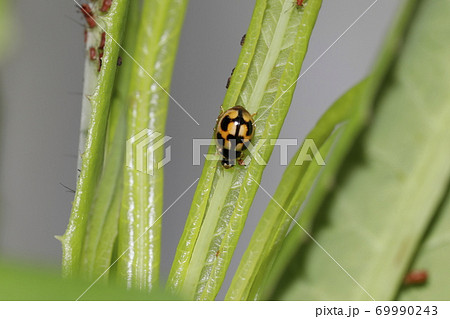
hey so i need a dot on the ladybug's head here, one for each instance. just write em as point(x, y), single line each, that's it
point(227, 163)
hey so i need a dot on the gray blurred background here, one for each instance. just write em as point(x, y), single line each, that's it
point(40, 103)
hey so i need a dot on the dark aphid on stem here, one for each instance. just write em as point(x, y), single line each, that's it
point(119, 61)
point(416, 277)
point(234, 130)
point(88, 15)
point(106, 5)
point(100, 50)
point(243, 39)
point(229, 79)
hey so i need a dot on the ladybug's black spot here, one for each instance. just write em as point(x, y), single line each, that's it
point(240, 120)
point(219, 137)
point(225, 153)
point(230, 154)
point(235, 140)
point(224, 123)
point(249, 128)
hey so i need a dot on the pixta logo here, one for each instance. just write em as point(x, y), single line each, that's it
point(141, 149)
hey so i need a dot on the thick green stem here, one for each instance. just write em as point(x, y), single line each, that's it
point(102, 226)
point(92, 157)
point(297, 181)
point(263, 82)
point(142, 203)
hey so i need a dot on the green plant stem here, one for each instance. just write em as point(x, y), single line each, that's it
point(92, 157)
point(267, 68)
point(142, 202)
point(101, 229)
point(356, 123)
point(102, 225)
point(291, 193)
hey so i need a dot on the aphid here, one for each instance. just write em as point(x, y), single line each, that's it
point(229, 79)
point(88, 15)
point(243, 39)
point(119, 61)
point(92, 53)
point(300, 3)
point(217, 253)
point(85, 36)
point(100, 50)
point(234, 130)
point(100, 56)
point(416, 277)
point(106, 5)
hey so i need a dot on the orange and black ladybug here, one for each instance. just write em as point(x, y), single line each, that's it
point(234, 130)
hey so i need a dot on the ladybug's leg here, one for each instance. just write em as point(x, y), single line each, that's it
point(241, 159)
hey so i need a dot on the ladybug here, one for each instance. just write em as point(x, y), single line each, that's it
point(234, 130)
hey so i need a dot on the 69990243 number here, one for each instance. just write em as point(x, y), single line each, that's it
point(406, 310)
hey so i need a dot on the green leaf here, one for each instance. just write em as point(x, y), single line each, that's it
point(263, 82)
point(433, 257)
point(139, 238)
point(394, 178)
point(21, 282)
point(298, 179)
point(92, 158)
